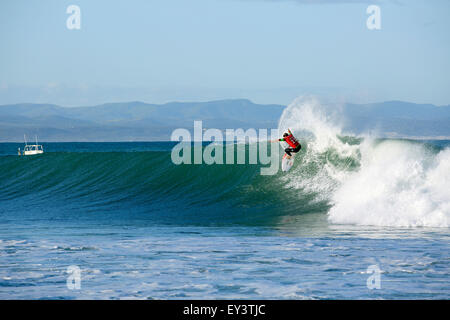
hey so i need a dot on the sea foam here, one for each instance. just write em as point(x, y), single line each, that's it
point(397, 183)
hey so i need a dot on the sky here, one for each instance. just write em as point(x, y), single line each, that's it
point(267, 51)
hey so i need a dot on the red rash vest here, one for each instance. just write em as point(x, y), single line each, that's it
point(291, 141)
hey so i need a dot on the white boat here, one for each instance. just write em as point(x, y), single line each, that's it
point(31, 149)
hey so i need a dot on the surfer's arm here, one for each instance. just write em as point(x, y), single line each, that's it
point(277, 140)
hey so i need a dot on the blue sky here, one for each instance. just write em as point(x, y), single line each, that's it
point(266, 50)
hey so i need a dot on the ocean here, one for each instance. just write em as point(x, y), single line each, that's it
point(355, 218)
point(141, 227)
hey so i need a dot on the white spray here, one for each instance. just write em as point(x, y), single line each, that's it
point(398, 183)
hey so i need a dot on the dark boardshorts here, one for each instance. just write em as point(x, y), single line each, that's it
point(294, 150)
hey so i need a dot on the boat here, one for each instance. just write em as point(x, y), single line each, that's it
point(31, 149)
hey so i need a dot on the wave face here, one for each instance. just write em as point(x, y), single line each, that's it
point(139, 182)
point(369, 181)
point(350, 179)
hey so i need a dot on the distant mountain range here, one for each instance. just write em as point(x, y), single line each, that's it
point(138, 121)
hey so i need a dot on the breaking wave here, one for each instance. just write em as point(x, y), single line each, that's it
point(368, 181)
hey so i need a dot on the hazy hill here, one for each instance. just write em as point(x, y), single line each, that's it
point(141, 121)
point(399, 118)
point(130, 120)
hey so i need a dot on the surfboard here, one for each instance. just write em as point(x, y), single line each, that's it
point(286, 164)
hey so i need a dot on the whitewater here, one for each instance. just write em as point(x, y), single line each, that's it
point(368, 181)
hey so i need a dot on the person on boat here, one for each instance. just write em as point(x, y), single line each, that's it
point(294, 145)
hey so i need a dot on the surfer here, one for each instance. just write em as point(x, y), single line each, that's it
point(294, 145)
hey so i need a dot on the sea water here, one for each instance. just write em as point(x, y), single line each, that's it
point(139, 227)
point(357, 217)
